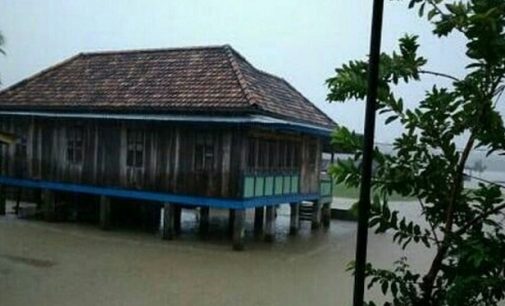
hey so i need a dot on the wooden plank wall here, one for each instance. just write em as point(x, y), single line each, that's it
point(311, 154)
point(168, 156)
point(311, 165)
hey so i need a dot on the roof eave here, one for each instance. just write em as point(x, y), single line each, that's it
point(244, 119)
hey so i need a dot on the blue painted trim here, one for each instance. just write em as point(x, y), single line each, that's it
point(281, 199)
point(158, 196)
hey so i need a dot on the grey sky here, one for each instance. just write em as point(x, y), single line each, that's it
point(299, 40)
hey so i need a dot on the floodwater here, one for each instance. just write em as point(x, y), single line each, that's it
point(78, 264)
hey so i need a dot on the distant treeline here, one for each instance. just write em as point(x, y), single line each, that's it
point(493, 162)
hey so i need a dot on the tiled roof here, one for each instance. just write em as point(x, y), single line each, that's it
point(198, 79)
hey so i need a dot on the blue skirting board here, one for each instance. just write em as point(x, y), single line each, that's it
point(159, 196)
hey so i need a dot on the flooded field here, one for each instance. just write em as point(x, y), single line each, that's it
point(77, 264)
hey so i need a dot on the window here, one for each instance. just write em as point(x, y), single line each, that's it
point(251, 157)
point(296, 156)
point(21, 146)
point(21, 150)
point(272, 154)
point(204, 152)
point(21, 140)
point(290, 160)
point(262, 154)
point(135, 148)
point(312, 155)
point(74, 144)
point(283, 160)
point(292, 156)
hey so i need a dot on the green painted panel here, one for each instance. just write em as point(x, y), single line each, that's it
point(287, 185)
point(260, 184)
point(269, 185)
point(278, 185)
point(294, 184)
point(249, 186)
point(325, 189)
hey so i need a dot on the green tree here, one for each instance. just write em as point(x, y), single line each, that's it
point(468, 267)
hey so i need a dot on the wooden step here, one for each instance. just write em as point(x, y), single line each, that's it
point(306, 211)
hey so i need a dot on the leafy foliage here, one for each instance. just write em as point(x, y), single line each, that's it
point(463, 227)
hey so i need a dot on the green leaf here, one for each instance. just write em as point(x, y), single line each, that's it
point(432, 13)
point(384, 287)
point(391, 119)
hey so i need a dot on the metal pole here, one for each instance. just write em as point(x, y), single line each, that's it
point(366, 171)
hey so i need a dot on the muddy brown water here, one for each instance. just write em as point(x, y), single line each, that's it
point(77, 264)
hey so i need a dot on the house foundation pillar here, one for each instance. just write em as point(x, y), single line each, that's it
point(49, 204)
point(316, 214)
point(18, 200)
point(105, 212)
point(177, 219)
point(259, 217)
point(326, 215)
point(167, 221)
point(3, 202)
point(231, 221)
point(270, 223)
point(238, 236)
point(204, 221)
point(294, 221)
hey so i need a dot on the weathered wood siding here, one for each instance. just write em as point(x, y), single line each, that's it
point(310, 150)
point(168, 159)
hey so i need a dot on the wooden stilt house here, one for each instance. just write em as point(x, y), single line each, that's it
point(187, 126)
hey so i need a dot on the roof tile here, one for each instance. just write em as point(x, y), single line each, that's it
point(197, 79)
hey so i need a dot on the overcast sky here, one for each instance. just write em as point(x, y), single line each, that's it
point(299, 40)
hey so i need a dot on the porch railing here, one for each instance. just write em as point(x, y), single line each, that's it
point(326, 186)
point(271, 184)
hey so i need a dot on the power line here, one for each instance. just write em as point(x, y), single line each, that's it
point(484, 180)
point(389, 144)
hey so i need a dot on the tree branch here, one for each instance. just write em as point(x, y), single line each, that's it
point(432, 226)
point(478, 219)
point(429, 278)
point(438, 74)
point(436, 7)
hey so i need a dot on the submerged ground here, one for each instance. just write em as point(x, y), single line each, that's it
point(77, 264)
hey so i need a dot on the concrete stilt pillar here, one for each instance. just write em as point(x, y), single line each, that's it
point(238, 229)
point(49, 205)
point(105, 210)
point(39, 199)
point(177, 219)
point(270, 224)
point(294, 221)
point(167, 221)
point(231, 221)
point(204, 221)
point(18, 200)
point(316, 214)
point(2, 200)
point(326, 215)
point(259, 217)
